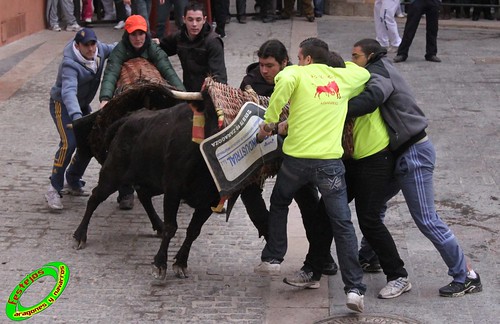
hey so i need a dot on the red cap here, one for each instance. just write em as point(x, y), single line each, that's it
point(136, 22)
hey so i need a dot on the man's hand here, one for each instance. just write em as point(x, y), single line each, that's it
point(156, 40)
point(103, 103)
point(265, 130)
point(283, 128)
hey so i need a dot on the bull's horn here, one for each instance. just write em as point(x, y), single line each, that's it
point(186, 95)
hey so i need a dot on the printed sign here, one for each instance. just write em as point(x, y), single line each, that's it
point(233, 154)
point(57, 270)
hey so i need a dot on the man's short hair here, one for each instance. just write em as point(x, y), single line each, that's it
point(195, 6)
point(369, 46)
point(316, 49)
point(335, 60)
point(273, 48)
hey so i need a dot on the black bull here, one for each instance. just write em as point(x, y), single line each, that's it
point(153, 151)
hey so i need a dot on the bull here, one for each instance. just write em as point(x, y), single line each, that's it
point(152, 150)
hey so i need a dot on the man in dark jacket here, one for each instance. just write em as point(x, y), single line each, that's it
point(415, 159)
point(200, 50)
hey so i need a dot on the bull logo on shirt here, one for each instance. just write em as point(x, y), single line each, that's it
point(331, 88)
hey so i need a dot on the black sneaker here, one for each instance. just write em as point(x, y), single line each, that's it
point(370, 266)
point(330, 269)
point(456, 289)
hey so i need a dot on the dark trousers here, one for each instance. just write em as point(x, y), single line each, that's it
point(415, 11)
point(220, 9)
point(367, 181)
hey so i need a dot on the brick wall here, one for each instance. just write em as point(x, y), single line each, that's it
point(20, 18)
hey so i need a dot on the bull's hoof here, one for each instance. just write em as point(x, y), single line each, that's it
point(180, 271)
point(79, 244)
point(159, 275)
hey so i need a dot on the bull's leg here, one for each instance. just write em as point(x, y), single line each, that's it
point(145, 199)
point(200, 216)
point(171, 204)
point(99, 194)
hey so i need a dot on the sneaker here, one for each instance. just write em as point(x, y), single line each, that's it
point(399, 58)
point(88, 20)
point(400, 15)
point(53, 198)
point(433, 58)
point(330, 269)
point(370, 266)
point(456, 289)
point(272, 268)
point(120, 25)
point(73, 27)
point(355, 300)
point(55, 28)
point(126, 202)
point(395, 288)
point(392, 49)
point(302, 279)
point(67, 190)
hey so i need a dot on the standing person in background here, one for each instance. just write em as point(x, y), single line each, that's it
point(77, 82)
point(87, 11)
point(200, 49)
point(241, 11)
point(312, 154)
point(163, 15)
point(67, 15)
point(121, 14)
point(416, 9)
point(141, 7)
point(306, 8)
point(386, 27)
point(220, 10)
point(319, 8)
point(415, 160)
point(136, 42)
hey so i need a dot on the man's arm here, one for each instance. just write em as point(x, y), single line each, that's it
point(69, 91)
point(216, 63)
point(376, 92)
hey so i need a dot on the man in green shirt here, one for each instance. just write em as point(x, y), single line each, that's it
point(318, 97)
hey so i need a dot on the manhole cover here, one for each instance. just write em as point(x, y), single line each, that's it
point(379, 319)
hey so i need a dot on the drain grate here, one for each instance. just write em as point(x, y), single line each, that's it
point(379, 319)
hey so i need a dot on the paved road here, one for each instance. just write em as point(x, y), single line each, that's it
point(110, 279)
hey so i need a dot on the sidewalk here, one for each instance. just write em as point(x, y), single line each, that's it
point(110, 280)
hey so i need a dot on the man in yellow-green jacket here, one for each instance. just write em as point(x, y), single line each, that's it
point(318, 97)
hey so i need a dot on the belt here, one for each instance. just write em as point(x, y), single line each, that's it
point(424, 139)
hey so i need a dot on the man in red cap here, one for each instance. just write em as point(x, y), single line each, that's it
point(136, 42)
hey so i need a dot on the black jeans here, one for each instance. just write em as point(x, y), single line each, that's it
point(367, 182)
point(415, 11)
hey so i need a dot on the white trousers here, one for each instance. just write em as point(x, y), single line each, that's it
point(386, 27)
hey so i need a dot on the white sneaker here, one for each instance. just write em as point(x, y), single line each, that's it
point(395, 288)
point(392, 49)
point(55, 28)
point(355, 300)
point(53, 198)
point(400, 15)
point(88, 20)
point(268, 268)
point(73, 28)
point(120, 25)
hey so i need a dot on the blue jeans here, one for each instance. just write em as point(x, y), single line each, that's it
point(143, 8)
point(319, 7)
point(163, 16)
point(67, 146)
point(414, 170)
point(328, 176)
